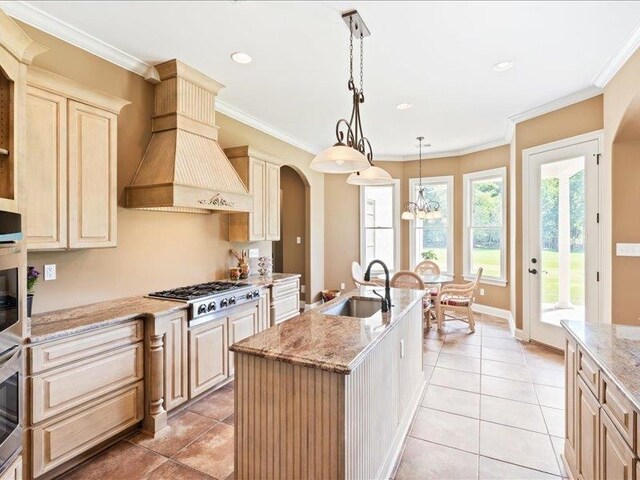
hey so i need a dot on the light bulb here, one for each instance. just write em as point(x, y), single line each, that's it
point(339, 162)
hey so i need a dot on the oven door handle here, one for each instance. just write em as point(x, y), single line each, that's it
point(10, 363)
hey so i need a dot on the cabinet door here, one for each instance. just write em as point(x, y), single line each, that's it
point(570, 374)
point(264, 310)
point(257, 188)
point(175, 362)
point(207, 356)
point(46, 170)
point(616, 458)
point(92, 176)
point(273, 202)
point(241, 325)
point(587, 432)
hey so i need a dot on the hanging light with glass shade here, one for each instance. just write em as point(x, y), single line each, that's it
point(422, 208)
point(352, 153)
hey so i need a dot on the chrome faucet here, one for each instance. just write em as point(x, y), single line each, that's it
point(386, 301)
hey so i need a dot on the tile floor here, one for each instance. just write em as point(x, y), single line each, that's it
point(492, 410)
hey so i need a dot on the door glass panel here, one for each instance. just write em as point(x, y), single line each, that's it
point(562, 240)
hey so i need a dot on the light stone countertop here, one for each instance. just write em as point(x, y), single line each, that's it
point(616, 350)
point(265, 280)
point(71, 321)
point(329, 342)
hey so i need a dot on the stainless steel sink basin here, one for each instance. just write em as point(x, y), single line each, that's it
point(359, 307)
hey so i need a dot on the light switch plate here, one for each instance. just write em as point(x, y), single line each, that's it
point(49, 272)
point(342, 286)
point(628, 249)
point(298, 240)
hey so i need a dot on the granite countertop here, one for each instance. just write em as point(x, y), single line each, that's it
point(71, 321)
point(616, 350)
point(265, 280)
point(329, 342)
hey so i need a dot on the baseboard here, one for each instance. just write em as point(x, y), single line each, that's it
point(501, 313)
point(309, 306)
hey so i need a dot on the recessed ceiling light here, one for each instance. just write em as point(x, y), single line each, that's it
point(403, 106)
point(502, 66)
point(241, 57)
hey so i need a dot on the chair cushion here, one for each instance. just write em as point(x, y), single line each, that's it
point(456, 302)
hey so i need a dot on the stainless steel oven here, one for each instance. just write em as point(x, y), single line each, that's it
point(10, 406)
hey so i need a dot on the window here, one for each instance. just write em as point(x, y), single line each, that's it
point(433, 239)
point(484, 228)
point(379, 216)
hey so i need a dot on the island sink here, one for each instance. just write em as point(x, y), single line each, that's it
point(360, 307)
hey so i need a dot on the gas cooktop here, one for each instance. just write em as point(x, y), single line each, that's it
point(201, 290)
point(207, 300)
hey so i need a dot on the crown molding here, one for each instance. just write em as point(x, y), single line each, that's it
point(34, 16)
point(247, 119)
point(616, 62)
point(37, 18)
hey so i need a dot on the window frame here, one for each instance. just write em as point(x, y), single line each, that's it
point(449, 181)
point(467, 180)
point(396, 227)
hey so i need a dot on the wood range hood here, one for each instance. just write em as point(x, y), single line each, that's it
point(184, 169)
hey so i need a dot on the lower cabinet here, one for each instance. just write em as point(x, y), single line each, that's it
point(616, 458)
point(285, 300)
point(208, 362)
point(264, 309)
point(58, 441)
point(242, 324)
point(588, 427)
point(14, 472)
point(176, 378)
point(570, 400)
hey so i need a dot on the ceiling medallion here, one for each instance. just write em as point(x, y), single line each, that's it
point(422, 208)
point(352, 153)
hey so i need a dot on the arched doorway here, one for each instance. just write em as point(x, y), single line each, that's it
point(292, 252)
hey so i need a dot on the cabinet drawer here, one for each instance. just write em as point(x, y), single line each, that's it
point(620, 410)
point(79, 347)
point(284, 288)
point(588, 370)
point(58, 441)
point(284, 308)
point(61, 389)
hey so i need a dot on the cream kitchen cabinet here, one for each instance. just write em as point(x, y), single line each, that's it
point(261, 174)
point(588, 429)
point(176, 376)
point(242, 324)
point(14, 471)
point(208, 356)
point(71, 164)
point(285, 298)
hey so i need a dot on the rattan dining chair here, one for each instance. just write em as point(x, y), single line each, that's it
point(411, 280)
point(357, 275)
point(458, 298)
point(429, 267)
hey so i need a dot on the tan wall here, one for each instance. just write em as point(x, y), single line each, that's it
point(155, 249)
point(582, 117)
point(622, 149)
point(342, 203)
point(292, 223)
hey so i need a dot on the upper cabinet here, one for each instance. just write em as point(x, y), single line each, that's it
point(261, 174)
point(71, 167)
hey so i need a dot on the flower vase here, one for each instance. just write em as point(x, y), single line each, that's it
point(244, 270)
point(29, 303)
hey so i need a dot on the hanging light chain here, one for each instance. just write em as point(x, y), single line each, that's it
point(361, 65)
point(350, 49)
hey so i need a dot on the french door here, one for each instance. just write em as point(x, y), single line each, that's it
point(562, 240)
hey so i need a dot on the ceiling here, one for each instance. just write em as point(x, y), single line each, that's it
point(437, 56)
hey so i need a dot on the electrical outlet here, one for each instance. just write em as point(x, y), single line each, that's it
point(482, 292)
point(49, 272)
point(342, 287)
point(302, 291)
point(254, 253)
point(298, 240)
point(401, 348)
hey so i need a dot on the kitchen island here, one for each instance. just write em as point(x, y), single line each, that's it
point(327, 394)
point(602, 400)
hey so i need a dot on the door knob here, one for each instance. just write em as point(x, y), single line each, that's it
point(533, 270)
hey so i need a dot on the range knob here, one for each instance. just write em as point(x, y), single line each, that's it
point(249, 296)
point(202, 309)
point(223, 303)
point(232, 301)
point(256, 294)
point(211, 307)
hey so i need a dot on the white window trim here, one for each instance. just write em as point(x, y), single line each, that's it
point(467, 178)
point(413, 183)
point(396, 228)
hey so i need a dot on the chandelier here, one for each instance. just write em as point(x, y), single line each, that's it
point(422, 208)
point(352, 153)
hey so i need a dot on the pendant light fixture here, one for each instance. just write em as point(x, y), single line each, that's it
point(421, 209)
point(352, 152)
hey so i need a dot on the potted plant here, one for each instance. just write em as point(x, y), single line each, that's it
point(32, 279)
point(429, 255)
